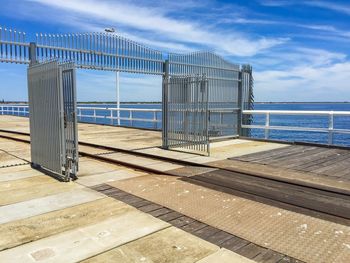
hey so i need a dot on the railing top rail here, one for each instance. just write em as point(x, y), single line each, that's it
point(120, 109)
point(296, 112)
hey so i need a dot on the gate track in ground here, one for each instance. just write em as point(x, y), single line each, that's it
point(307, 199)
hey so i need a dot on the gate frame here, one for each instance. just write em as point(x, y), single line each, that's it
point(198, 130)
point(65, 166)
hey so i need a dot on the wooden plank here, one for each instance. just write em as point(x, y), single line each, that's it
point(291, 150)
point(294, 156)
point(170, 216)
point(338, 167)
point(220, 237)
point(181, 221)
point(322, 157)
point(150, 208)
point(327, 163)
point(160, 212)
point(264, 154)
point(330, 203)
point(206, 232)
point(250, 251)
point(310, 157)
point(269, 256)
point(287, 259)
point(235, 243)
point(142, 203)
point(194, 226)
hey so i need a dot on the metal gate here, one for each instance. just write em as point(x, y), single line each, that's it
point(52, 115)
point(186, 115)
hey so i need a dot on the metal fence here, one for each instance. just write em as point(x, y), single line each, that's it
point(13, 46)
point(223, 82)
point(230, 85)
point(267, 127)
point(53, 134)
point(186, 113)
point(133, 117)
point(100, 51)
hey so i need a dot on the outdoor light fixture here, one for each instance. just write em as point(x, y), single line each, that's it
point(110, 30)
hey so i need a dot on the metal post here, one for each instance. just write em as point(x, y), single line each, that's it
point(130, 117)
point(239, 105)
point(32, 53)
point(155, 120)
point(118, 98)
point(165, 104)
point(111, 116)
point(330, 128)
point(267, 125)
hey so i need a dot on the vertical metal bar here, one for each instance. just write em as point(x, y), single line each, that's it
point(32, 53)
point(267, 125)
point(111, 116)
point(239, 105)
point(330, 128)
point(165, 104)
point(118, 97)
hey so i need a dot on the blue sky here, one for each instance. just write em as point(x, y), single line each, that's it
point(299, 50)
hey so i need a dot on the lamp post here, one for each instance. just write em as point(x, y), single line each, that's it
point(112, 30)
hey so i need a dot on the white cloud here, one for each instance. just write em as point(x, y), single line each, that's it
point(304, 83)
point(101, 86)
point(341, 8)
point(157, 21)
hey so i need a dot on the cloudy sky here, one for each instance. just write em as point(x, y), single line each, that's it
point(299, 50)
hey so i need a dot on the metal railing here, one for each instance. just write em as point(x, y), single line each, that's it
point(217, 117)
point(268, 113)
point(110, 114)
point(95, 113)
point(114, 115)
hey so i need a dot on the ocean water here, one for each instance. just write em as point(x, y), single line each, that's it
point(340, 122)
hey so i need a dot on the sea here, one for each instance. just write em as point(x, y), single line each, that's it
point(340, 122)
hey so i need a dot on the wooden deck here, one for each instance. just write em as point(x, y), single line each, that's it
point(259, 201)
point(334, 163)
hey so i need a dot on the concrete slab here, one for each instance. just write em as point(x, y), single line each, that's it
point(168, 245)
point(238, 147)
point(47, 204)
point(15, 195)
point(17, 172)
point(189, 171)
point(79, 244)
point(9, 160)
point(26, 182)
point(203, 159)
point(108, 177)
point(163, 166)
point(132, 159)
point(225, 256)
point(89, 167)
point(37, 227)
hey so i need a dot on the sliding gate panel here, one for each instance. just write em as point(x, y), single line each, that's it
point(186, 113)
point(52, 105)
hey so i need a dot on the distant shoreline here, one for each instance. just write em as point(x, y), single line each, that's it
point(159, 102)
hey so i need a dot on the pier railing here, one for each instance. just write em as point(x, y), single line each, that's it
point(153, 118)
point(112, 114)
point(93, 114)
point(267, 126)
